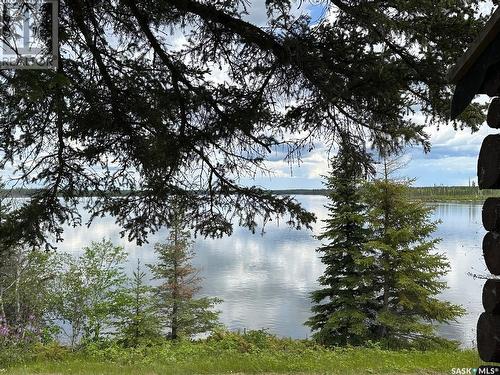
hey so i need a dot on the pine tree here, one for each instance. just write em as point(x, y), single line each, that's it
point(344, 307)
point(182, 313)
point(138, 314)
point(409, 270)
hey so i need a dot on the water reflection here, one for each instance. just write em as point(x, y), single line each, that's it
point(462, 233)
point(265, 280)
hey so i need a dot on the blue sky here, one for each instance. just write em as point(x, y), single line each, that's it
point(452, 160)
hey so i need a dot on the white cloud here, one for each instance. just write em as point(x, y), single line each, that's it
point(257, 12)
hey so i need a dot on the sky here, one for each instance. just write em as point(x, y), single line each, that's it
point(451, 161)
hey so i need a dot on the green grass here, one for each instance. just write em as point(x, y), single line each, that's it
point(355, 361)
point(233, 353)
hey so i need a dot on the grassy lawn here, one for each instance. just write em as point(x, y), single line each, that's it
point(306, 361)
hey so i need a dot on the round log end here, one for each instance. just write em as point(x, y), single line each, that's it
point(493, 118)
point(488, 165)
point(491, 296)
point(491, 215)
point(488, 337)
point(491, 252)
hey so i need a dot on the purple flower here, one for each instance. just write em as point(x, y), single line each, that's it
point(4, 331)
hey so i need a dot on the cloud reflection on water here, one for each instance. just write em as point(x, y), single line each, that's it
point(265, 280)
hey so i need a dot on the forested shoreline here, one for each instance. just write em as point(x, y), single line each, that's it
point(426, 193)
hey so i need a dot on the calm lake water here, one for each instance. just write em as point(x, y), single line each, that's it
point(265, 280)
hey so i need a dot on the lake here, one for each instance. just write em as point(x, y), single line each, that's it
point(265, 280)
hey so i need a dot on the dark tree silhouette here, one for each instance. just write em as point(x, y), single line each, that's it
point(126, 113)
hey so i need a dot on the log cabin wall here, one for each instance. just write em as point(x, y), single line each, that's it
point(478, 72)
point(488, 173)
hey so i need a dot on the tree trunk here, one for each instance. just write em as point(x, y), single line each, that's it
point(2, 307)
point(137, 314)
point(491, 252)
point(17, 287)
point(382, 331)
point(488, 332)
point(174, 333)
point(175, 289)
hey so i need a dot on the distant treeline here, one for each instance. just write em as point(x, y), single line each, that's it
point(26, 193)
point(301, 192)
point(452, 193)
point(434, 193)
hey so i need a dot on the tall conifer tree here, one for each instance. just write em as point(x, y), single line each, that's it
point(182, 313)
point(409, 269)
point(344, 307)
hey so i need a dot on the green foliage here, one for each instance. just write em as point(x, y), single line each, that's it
point(183, 315)
point(25, 295)
point(382, 277)
point(346, 303)
point(226, 352)
point(88, 292)
point(138, 320)
point(92, 296)
point(409, 269)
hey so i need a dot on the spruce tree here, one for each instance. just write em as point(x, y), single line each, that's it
point(138, 314)
point(409, 270)
point(182, 314)
point(344, 307)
